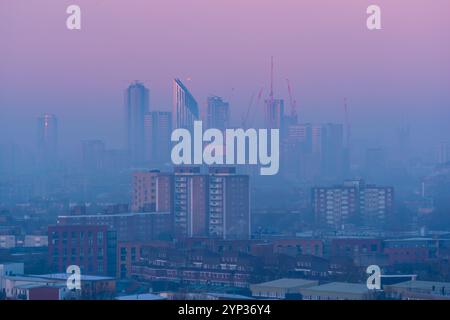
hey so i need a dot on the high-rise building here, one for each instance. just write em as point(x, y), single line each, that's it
point(152, 191)
point(443, 153)
point(316, 151)
point(375, 163)
point(190, 202)
point(335, 207)
point(274, 113)
point(376, 204)
point(354, 202)
point(229, 204)
point(47, 142)
point(332, 152)
point(157, 131)
point(93, 153)
point(136, 106)
point(217, 113)
point(185, 107)
point(216, 204)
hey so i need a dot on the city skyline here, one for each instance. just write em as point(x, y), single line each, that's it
point(355, 64)
point(224, 150)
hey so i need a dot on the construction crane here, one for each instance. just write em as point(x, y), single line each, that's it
point(347, 122)
point(247, 115)
point(292, 101)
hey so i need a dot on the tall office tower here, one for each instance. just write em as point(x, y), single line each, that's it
point(443, 153)
point(296, 139)
point(136, 106)
point(185, 108)
point(274, 113)
point(47, 141)
point(375, 164)
point(12, 159)
point(352, 202)
point(217, 113)
point(190, 202)
point(316, 139)
point(93, 154)
point(157, 131)
point(152, 191)
point(304, 142)
point(333, 160)
point(229, 204)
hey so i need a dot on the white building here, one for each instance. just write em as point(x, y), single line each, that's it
point(9, 269)
point(35, 241)
point(7, 241)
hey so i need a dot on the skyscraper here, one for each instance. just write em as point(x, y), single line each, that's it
point(136, 106)
point(332, 153)
point(185, 107)
point(157, 131)
point(93, 154)
point(443, 153)
point(47, 140)
point(274, 113)
point(217, 113)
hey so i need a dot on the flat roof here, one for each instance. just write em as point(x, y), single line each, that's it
point(229, 296)
point(10, 263)
point(32, 278)
point(341, 287)
point(144, 296)
point(286, 283)
point(417, 284)
point(411, 239)
point(65, 276)
point(39, 285)
point(128, 214)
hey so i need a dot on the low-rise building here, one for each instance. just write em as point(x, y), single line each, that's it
point(338, 291)
point(418, 290)
point(35, 241)
point(279, 289)
point(7, 241)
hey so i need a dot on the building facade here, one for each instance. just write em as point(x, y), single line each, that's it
point(354, 202)
point(185, 107)
point(92, 248)
point(136, 106)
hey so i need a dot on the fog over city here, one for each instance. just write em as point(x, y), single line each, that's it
point(226, 149)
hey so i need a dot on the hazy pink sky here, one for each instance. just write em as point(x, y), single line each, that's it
point(323, 46)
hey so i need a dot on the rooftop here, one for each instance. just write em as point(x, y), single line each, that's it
point(65, 276)
point(229, 296)
point(144, 296)
point(287, 283)
point(10, 263)
point(40, 285)
point(341, 287)
point(415, 284)
point(411, 239)
point(128, 214)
